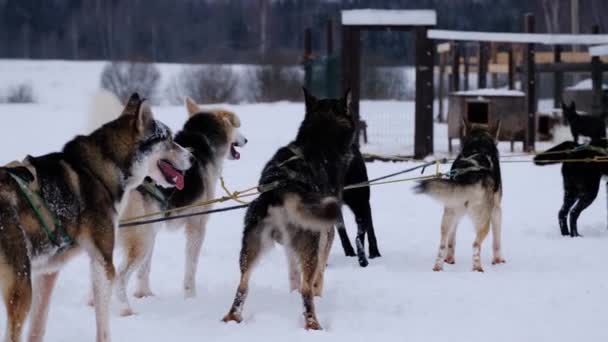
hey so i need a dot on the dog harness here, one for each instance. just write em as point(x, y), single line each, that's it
point(475, 166)
point(149, 187)
point(54, 230)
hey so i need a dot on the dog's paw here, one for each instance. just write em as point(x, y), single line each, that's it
point(126, 312)
point(312, 324)
point(363, 261)
point(478, 269)
point(450, 260)
point(498, 260)
point(232, 317)
point(143, 294)
point(189, 292)
point(437, 268)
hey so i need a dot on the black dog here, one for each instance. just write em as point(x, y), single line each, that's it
point(581, 180)
point(589, 126)
point(357, 200)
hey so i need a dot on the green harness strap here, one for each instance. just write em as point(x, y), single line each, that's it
point(150, 188)
point(64, 239)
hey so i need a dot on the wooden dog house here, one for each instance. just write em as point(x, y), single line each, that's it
point(487, 106)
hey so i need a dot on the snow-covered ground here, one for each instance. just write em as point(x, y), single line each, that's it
point(551, 289)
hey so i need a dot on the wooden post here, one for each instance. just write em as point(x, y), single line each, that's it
point(465, 55)
point(423, 136)
point(482, 65)
point(511, 61)
point(351, 64)
point(558, 80)
point(493, 59)
point(455, 84)
point(329, 37)
point(596, 80)
point(440, 90)
point(530, 85)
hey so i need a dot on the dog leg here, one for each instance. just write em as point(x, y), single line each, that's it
point(309, 260)
point(496, 235)
point(137, 249)
point(360, 243)
point(449, 216)
point(102, 275)
point(325, 243)
point(143, 276)
point(482, 228)
point(43, 288)
point(17, 291)
point(450, 257)
point(371, 233)
point(195, 234)
point(295, 276)
point(341, 227)
point(578, 208)
point(250, 251)
point(569, 200)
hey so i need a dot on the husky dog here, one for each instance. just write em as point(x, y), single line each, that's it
point(81, 194)
point(474, 188)
point(211, 136)
point(357, 200)
point(581, 180)
point(306, 179)
point(587, 125)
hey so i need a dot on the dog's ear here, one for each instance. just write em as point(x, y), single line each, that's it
point(496, 131)
point(230, 118)
point(572, 106)
point(347, 100)
point(465, 127)
point(309, 99)
point(133, 104)
point(144, 116)
point(192, 107)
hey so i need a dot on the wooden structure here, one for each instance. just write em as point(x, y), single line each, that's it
point(487, 106)
point(419, 21)
point(527, 44)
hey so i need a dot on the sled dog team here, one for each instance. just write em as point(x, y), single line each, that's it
point(54, 206)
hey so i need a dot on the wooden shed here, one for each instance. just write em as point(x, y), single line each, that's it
point(487, 106)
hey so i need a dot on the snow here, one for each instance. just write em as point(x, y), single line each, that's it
point(507, 37)
point(551, 289)
point(601, 50)
point(490, 92)
point(389, 17)
point(586, 84)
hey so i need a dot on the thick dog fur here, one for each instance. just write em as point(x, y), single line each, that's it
point(211, 136)
point(587, 125)
point(581, 180)
point(84, 186)
point(301, 211)
point(474, 189)
point(357, 200)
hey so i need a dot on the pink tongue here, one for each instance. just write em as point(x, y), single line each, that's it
point(235, 154)
point(173, 174)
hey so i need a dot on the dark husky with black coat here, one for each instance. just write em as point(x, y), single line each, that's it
point(590, 126)
point(474, 188)
point(357, 200)
point(307, 177)
point(82, 191)
point(581, 180)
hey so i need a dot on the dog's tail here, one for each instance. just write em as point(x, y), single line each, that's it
point(318, 213)
point(447, 191)
point(105, 107)
point(555, 154)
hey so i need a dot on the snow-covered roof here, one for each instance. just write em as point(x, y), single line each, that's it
point(389, 17)
point(601, 50)
point(586, 84)
point(504, 37)
point(489, 92)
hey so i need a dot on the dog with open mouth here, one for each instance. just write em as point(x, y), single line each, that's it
point(211, 136)
point(55, 205)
